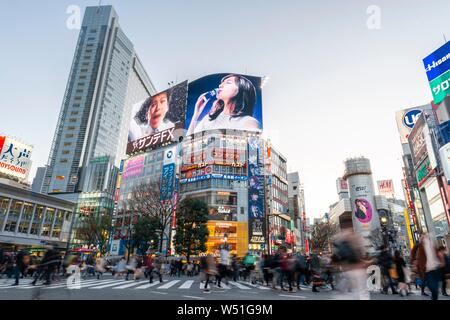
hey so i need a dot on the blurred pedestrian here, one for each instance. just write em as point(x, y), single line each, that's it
point(400, 266)
point(445, 269)
point(21, 262)
point(386, 263)
point(348, 254)
point(210, 271)
point(427, 263)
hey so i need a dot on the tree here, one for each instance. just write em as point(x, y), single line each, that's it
point(145, 231)
point(146, 201)
point(191, 232)
point(94, 231)
point(321, 236)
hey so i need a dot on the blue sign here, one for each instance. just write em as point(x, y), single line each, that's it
point(438, 62)
point(167, 181)
point(214, 176)
point(411, 117)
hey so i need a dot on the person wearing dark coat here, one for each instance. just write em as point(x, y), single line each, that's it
point(19, 266)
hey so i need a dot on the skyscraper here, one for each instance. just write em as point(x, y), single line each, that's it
point(105, 80)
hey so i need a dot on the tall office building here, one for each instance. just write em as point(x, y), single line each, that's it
point(38, 180)
point(105, 80)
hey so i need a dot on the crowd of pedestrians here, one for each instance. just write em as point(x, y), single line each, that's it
point(343, 269)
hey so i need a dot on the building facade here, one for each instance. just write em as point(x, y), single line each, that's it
point(105, 81)
point(32, 220)
point(297, 208)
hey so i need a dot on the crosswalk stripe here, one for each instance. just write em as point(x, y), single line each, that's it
point(202, 285)
point(169, 284)
point(146, 286)
point(128, 285)
point(299, 297)
point(187, 284)
point(114, 283)
point(224, 286)
point(240, 286)
point(81, 284)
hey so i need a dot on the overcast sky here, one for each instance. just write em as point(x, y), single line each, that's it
point(334, 87)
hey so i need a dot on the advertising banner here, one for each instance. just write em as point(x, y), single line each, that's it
point(134, 167)
point(224, 101)
point(417, 141)
point(256, 212)
point(437, 63)
point(341, 185)
point(167, 181)
point(440, 87)
point(406, 119)
point(214, 176)
point(423, 172)
point(158, 119)
point(444, 154)
point(386, 188)
point(15, 158)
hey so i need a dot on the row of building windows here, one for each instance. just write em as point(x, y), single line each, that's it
point(35, 219)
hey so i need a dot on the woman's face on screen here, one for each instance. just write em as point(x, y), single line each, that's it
point(228, 89)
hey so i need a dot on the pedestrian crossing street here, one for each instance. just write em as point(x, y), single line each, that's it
point(120, 284)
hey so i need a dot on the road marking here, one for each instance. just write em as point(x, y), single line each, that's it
point(224, 286)
point(169, 284)
point(109, 285)
point(202, 286)
point(56, 286)
point(158, 292)
point(128, 285)
point(286, 295)
point(146, 286)
point(240, 286)
point(187, 284)
point(192, 297)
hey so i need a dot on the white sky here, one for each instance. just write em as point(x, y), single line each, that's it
point(334, 84)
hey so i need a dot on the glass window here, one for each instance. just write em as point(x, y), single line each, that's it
point(13, 216)
point(26, 217)
point(4, 203)
point(49, 216)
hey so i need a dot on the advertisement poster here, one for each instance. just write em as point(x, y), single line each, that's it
point(15, 158)
point(158, 119)
point(134, 167)
point(386, 188)
point(256, 214)
point(224, 101)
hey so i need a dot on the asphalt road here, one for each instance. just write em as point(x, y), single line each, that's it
point(183, 288)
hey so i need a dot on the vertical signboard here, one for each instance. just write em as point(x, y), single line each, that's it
point(437, 67)
point(256, 214)
point(167, 181)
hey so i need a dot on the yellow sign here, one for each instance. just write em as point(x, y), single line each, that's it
point(408, 229)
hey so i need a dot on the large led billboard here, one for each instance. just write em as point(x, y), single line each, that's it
point(437, 67)
point(158, 119)
point(15, 158)
point(224, 101)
